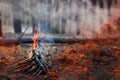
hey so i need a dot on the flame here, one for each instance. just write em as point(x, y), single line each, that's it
point(37, 35)
point(35, 39)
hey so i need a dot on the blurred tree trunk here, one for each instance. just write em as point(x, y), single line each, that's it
point(101, 3)
point(34, 24)
point(94, 2)
point(77, 20)
point(109, 4)
point(17, 26)
point(64, 21)
point(78, 30)
point(115, 1)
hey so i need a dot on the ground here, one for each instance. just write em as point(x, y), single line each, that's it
point(89, 60)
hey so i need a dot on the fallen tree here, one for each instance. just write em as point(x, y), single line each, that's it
point(29, 39)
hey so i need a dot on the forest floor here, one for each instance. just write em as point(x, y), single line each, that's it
point(90, 60)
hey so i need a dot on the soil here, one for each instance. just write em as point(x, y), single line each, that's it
point(91, 60)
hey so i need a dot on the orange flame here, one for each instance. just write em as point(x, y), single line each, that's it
point(35, 41)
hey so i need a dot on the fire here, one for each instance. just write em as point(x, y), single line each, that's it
point(35, 39)
point(37, 35)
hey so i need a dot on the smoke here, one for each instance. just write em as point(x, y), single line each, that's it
point(85, 17)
